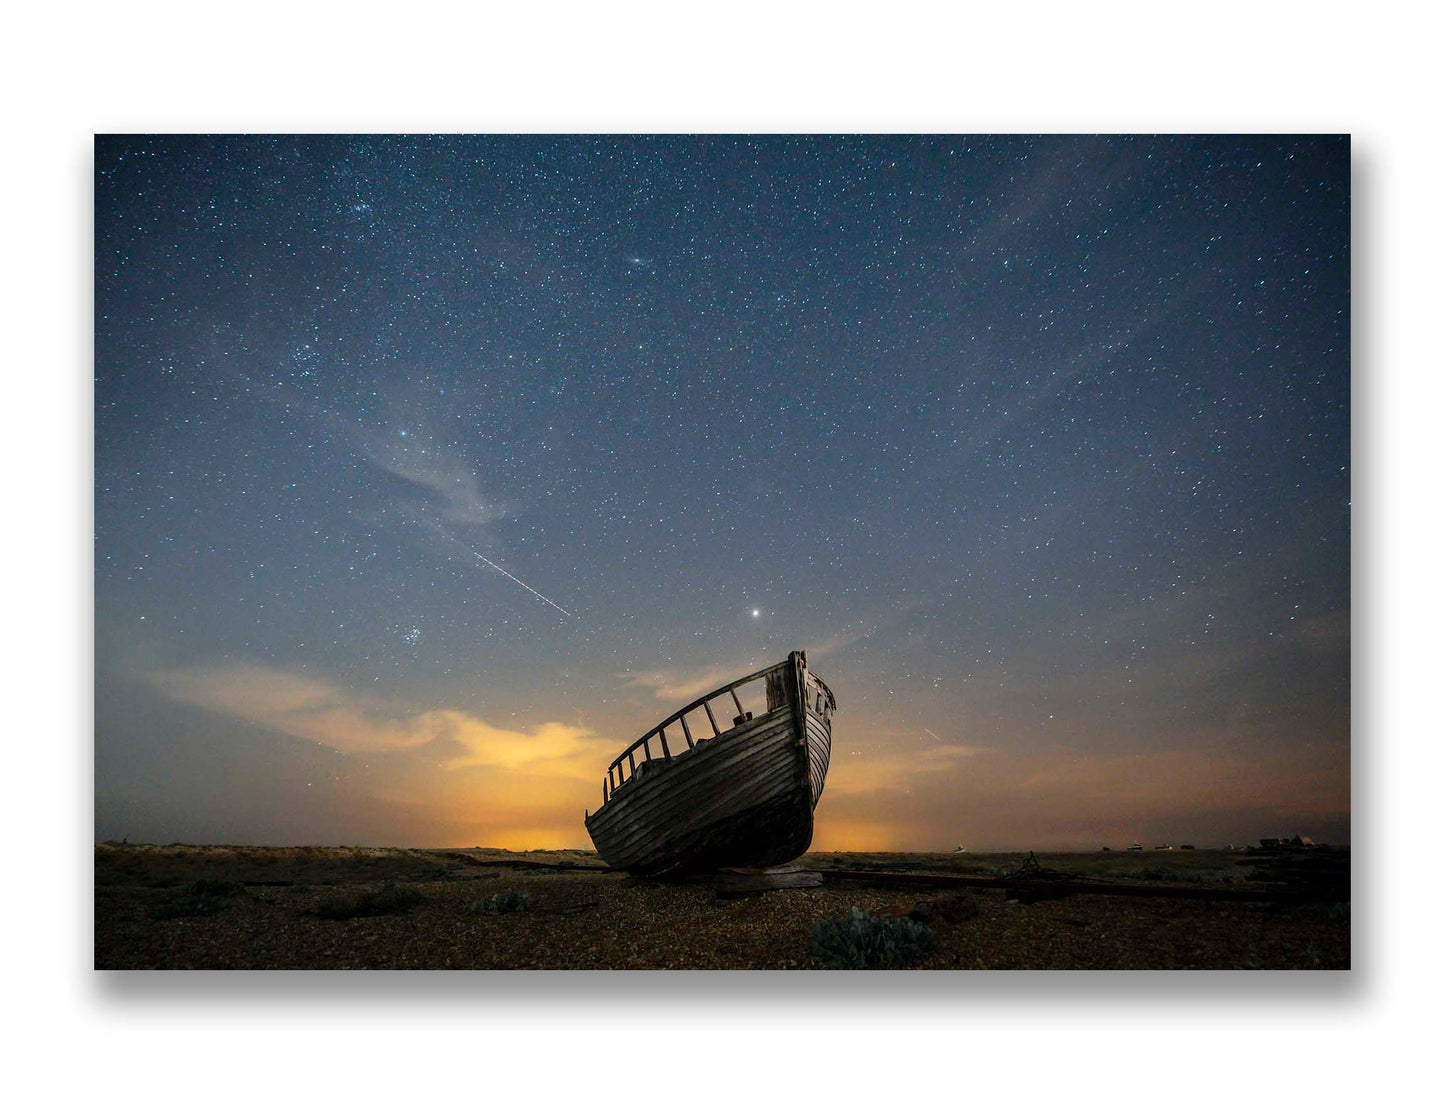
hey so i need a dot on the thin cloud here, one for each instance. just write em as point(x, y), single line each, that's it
point(312, 708)
point(895, 770)
point(420, 458)
point(403, 444)
point(990, 798)
point(686, 683)
point(673, 684)
point(836, 644)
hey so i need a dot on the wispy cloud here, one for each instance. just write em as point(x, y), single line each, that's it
point(937, 795)
point(893, 771)
point(835, 644)
point(334, 716)
point(409, 450)
point(401, 441)
point(1066, 168)
point(406, 448)
point(682, 684)
point(404, 443)
point(685, 683)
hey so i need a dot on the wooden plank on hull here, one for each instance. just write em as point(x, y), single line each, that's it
point(820, 745)
point(744, 795)
point(687, 775)
point(755, 835)
point(640, 841)
point(752, 767)
point(677, 818)
point(757, 771)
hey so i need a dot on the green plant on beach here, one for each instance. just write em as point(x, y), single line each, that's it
point(1159, 873)
point(860, 942)
point(202, 898)
point(387, 900)
point(508, 901)
point(210, 887)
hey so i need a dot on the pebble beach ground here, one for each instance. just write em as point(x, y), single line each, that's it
point(206, 907)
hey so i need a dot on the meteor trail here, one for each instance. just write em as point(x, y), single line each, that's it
point(438, 529)
point(519, 582)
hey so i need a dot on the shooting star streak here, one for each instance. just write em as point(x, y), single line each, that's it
point(932, 733)
point(439, 530)
point(519, 582)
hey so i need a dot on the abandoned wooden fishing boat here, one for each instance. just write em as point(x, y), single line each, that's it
point(694, 793)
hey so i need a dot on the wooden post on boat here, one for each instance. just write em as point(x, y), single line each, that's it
point(743, 714)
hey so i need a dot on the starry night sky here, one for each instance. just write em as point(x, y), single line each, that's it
point(430, 472)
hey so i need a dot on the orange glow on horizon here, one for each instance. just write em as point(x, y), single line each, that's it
point(438, 776)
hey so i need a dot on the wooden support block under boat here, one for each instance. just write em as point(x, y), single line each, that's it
point(743, 881)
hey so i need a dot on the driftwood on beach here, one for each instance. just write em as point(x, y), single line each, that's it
point(1044, 887)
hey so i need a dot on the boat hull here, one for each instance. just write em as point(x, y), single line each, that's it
point(744, 798)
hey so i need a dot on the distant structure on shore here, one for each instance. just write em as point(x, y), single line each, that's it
point(1280, 843)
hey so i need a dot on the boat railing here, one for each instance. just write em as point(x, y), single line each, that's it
point(637, 758)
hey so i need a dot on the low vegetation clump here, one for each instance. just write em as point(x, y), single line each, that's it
point(509, 901)
point(1158, 873)
point(202, 898)
point(1161, 874)
point(860, 941)
point(387, 900)
point(955, 909)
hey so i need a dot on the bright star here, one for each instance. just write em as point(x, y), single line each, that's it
point(756, 612)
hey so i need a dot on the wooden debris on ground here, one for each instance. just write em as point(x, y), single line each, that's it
point(742, 881)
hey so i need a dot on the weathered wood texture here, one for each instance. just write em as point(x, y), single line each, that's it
point(743, 798)
point(818, 706)
point(705, 805)
point(820, 748)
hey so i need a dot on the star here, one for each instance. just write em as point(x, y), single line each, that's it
point(1059, 421)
